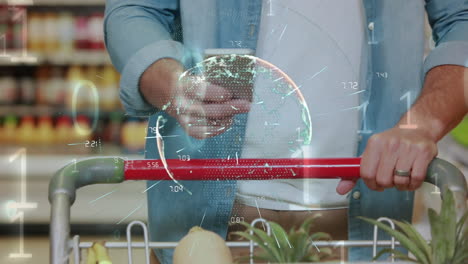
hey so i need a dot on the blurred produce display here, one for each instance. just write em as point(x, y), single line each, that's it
point(66, 98)
point(78, 134)
point(60, 86)
point(45, 31)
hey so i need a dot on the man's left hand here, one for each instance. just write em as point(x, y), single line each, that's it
point(405, 150)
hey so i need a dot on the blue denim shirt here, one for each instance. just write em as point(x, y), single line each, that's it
point(139, 32)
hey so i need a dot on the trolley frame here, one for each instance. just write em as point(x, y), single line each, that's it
point(63, 186)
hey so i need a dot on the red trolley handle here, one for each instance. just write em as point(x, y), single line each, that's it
point(242, 169)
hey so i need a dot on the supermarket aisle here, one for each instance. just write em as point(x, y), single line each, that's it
point(58, 104)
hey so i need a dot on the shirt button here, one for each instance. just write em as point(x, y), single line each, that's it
point(371, 26)
point(356, 195)
point(252, 30)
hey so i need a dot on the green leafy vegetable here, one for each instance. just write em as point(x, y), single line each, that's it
point(449, 244)
point(283, 247)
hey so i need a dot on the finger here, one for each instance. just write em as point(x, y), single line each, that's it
point(401, 182)
point(198, 121)
point(218, 111)
point(180, 104)
point(202, 128)
point(370, 161)
point(344, 186)
point(207, 92)
point(404, 163)
point(202, 132)
point(422, 161)
point(192, 87)
point(387, 164)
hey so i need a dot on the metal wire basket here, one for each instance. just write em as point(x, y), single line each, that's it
point(63, 186)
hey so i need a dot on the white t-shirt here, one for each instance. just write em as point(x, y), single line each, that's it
point(319, 44)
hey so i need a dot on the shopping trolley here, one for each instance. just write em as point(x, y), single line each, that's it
point(63, 186)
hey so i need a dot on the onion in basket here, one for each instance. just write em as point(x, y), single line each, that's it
point(200, 246)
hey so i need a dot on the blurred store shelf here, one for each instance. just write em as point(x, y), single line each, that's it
point(38, 110)
point(53, 2)
point(80, 57)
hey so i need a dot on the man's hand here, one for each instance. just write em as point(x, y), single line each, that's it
point(202, 109)
point(396, 149)
point(440, 107)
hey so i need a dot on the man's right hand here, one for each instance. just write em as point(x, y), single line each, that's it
point(203, 109)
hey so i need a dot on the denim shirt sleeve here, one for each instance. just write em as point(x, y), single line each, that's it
point(449, 21)
point(137, 34)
